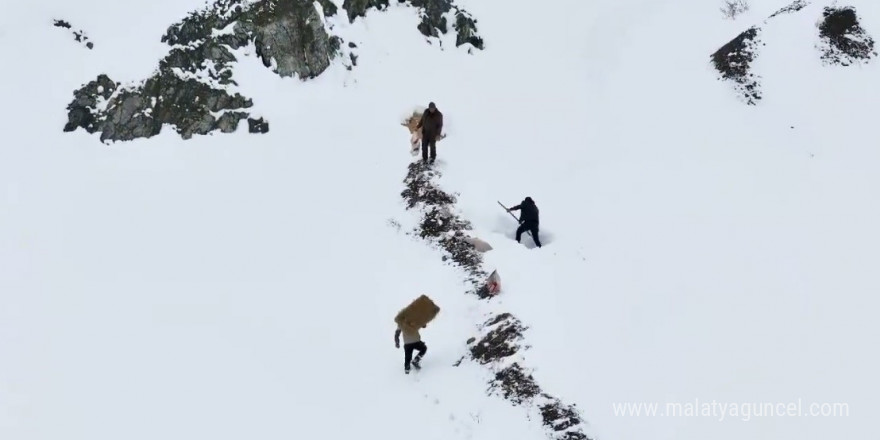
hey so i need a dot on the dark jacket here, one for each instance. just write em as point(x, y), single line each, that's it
point(529, 214)
point(431, 124)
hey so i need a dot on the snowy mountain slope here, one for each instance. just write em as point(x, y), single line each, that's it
point(244, 285)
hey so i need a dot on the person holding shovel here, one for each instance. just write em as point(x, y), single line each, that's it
point(528, 219)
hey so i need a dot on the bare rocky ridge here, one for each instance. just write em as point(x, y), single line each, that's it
point(733, 61)
point(193, 88)
point(499, 346)
point(844, 42)
point(79, 35)
point(795, 6)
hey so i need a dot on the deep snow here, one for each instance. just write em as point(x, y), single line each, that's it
point(241, 285)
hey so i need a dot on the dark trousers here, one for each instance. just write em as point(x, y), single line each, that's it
point(408, 351)
point(429, 141)
point(532, 228)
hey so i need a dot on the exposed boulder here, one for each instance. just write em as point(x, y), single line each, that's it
point(733, 62)
point(258, 125)
point(844, 42)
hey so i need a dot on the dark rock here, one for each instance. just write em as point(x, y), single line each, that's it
point(351, 45)
point(733, 61)
point(844, 41)
point(258, 125)
point(358, 8)
point(439, 225)
point(432, 14)
point(558, 416)
point(140, 112)
point(83, 111)
point(500, 342)
point(329, 8)
point(291, 33)
point(515, 384)
point(79, 35)
point(188, 91)
point(466, 29)
point(795, 6)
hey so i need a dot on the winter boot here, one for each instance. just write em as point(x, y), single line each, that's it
point(416, 362)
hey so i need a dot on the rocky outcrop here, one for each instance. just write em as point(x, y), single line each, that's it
point(193, 87)
point(120, 113)
point(499, 345)
point(733, 62)
point(433, 18)
point(359, 8)
point(844, 42)
point(197, 74)
point(79, 35)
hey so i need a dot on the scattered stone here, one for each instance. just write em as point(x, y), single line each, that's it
point(79, 36)
point(440, 226)
point(258, 125)
point(844, 42)
point(733, 61)
point(515, 384)
point(563, 419)
point(500, 342)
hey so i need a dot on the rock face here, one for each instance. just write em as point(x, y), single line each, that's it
point(79, 36)
point(193, 88)
point(844, 42)
point(733, 61)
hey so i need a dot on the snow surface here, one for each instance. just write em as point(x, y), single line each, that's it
point(244, 286)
